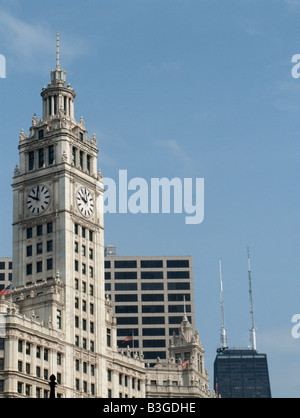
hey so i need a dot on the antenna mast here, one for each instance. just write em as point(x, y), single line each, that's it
point(252, 329)
point(223, 329)
point(57, 52)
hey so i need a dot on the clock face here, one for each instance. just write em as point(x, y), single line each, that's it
point(85, 202)
point(38, 199)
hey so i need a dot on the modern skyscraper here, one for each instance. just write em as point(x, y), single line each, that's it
point(241, 373)
point(150, 296)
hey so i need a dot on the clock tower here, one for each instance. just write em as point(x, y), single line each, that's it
point(58, 226)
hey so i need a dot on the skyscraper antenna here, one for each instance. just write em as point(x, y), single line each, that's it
point(57, 52)
point(252, 328)
point(223, 329)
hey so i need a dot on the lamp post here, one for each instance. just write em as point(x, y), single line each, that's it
point(52, 385)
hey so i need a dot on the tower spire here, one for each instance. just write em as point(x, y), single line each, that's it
point(252, 328)
point(57, 52)
point(223, 329)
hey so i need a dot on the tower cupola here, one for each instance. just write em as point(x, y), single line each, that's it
point(58, 99)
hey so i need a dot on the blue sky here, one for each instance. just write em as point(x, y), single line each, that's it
point(188, 89)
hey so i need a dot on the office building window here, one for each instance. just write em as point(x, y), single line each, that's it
point(126, 264)
point(31, 160)
point(49, 228)
point(125, 275)
point(39, 248)
point(29, 269)
point(178, 263)
point(50, 264)
point(151, 264)
point(39, 267)
point(51, 154)
point(41, 157)
point(178, 274)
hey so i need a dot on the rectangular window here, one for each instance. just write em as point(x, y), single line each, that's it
point(91, 272)
point(28, 349)
point(49, 228)
point(83, 268)
point(84, 305)
point(31, 160)
point(88, 163)
point(41, 157)
point(49, 246)
point(50, 264)
point(125, 275)
point(152, 275)
point(153, 298)
point(91, 236)
point(27, 390)
point(83, 250)
point(74, 151)
point(91, 290)
point(59, 359)
point(41, 133)
point(76, 265)
point(153, 320)
point(178, 274)
point(81, 136)
point(125, 264)
point(91, 254)
point(29, 269)
point(153, 309)
point(108, 337)
point(81, 159)
point(126, 309)
point(179, 308)
point(126, 298)
point(151, 264)
point(152, 286)
point(58, 319)
point(125, 286)
point(29, 233)
point(76, 229)
point(39, 267)
point(178, 286)
point(178, 263)
point(20, 388)
point(151, 332)
point(51, 155)
point(29, 251)
point(179, 297)
point(39, 230)
point(38, 352)
point(39, 248)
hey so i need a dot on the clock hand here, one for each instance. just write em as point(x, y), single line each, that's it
point(33, 197)
point(38, 192)
point(82, 197)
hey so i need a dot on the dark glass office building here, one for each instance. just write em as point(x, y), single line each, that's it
point(241, 374)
